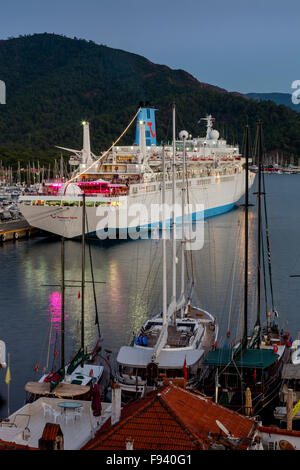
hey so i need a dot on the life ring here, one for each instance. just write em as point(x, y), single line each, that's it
point(275, 348)
point(16, 235)
point(3, 237)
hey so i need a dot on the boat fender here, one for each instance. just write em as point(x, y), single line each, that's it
point(275, 348)
point(228, 334)
point(137, 340)
point(16, 235)
point(2, 354)
point(3, 237)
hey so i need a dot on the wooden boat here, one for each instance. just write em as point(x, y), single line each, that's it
point(78, 377)
point(255, 362)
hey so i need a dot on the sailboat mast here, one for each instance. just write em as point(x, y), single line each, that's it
point(164, 240)
point(183, 222)
point(82, 270)
point(174, 213)
point(62, 302)
point(259, 164)
point(246, 231)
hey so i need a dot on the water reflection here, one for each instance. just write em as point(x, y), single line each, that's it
point(129, 288)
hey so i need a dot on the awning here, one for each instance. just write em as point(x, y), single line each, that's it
point(62, 390)
point(140, 357)
point(251, 358)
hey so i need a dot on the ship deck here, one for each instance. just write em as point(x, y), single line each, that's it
point(180, 336)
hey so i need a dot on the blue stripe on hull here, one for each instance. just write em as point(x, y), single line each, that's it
point(195, 216)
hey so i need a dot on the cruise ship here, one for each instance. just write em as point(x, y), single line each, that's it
point(122, 186)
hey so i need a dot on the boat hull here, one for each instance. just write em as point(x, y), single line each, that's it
point(106, 216)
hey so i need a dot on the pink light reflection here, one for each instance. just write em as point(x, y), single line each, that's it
point(55, 309)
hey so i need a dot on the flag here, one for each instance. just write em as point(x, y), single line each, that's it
point(80, 357)
point(57, 378)
point(296, 409)
point(8, 376)
point(185, 369)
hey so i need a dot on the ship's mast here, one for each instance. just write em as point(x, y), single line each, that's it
point(259, 194)
point(246, 232)
point(164, 241)
point(184, 135)
point(82, 270)
point(62, 302)
point(174, 216)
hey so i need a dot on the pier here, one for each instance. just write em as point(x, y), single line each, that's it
point(15, 230)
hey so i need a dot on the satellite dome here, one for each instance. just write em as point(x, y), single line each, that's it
point(214, 135)
point(183, 135)
point(71, 190)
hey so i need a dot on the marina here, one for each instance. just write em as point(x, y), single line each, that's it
point(149, 231)
point(130, 301)
point(174, 342)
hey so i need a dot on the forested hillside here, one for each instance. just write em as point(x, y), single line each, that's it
point(54, 82)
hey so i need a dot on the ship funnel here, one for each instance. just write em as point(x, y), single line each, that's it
point(146, 115)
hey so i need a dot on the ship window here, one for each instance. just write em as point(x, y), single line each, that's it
point(147, 133)
point(148, 142)
point(148, 113)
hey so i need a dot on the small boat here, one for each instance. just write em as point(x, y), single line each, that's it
point(253, 365)
point(77, 378)
point(295, 357)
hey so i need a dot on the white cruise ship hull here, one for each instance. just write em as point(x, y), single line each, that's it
point(62, 215)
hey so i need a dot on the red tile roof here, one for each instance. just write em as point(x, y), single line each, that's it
point(4, 445)
point(171, 418)
point(275, 430)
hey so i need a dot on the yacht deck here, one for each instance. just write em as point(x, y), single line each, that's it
point(31, 420)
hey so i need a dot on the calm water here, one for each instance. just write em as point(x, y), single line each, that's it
point(130, 288)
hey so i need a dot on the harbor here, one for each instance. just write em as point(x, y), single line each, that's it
point(149, 231)
point(127, 299)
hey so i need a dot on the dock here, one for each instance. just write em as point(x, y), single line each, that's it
point(16, 229)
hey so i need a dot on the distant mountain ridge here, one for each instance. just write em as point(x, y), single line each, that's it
point(278, 98)
point(54, 83)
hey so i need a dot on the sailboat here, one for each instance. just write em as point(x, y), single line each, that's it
point(247, 376)
point(171, 345)
point(77, 378)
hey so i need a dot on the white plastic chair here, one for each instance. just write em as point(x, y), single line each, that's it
point(69, 417)
point(56, 415)
point(77, 413)
point(48, 410)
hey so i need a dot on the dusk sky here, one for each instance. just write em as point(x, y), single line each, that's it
point(236, 44)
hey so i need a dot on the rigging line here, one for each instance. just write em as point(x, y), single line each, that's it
point(268, 244)
point(190, 222)
point(264, 272)
point(233, 277)
point(92, 276)
point(54, 351)
point(105, 153)
point(46, 368)
point(44, 343)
